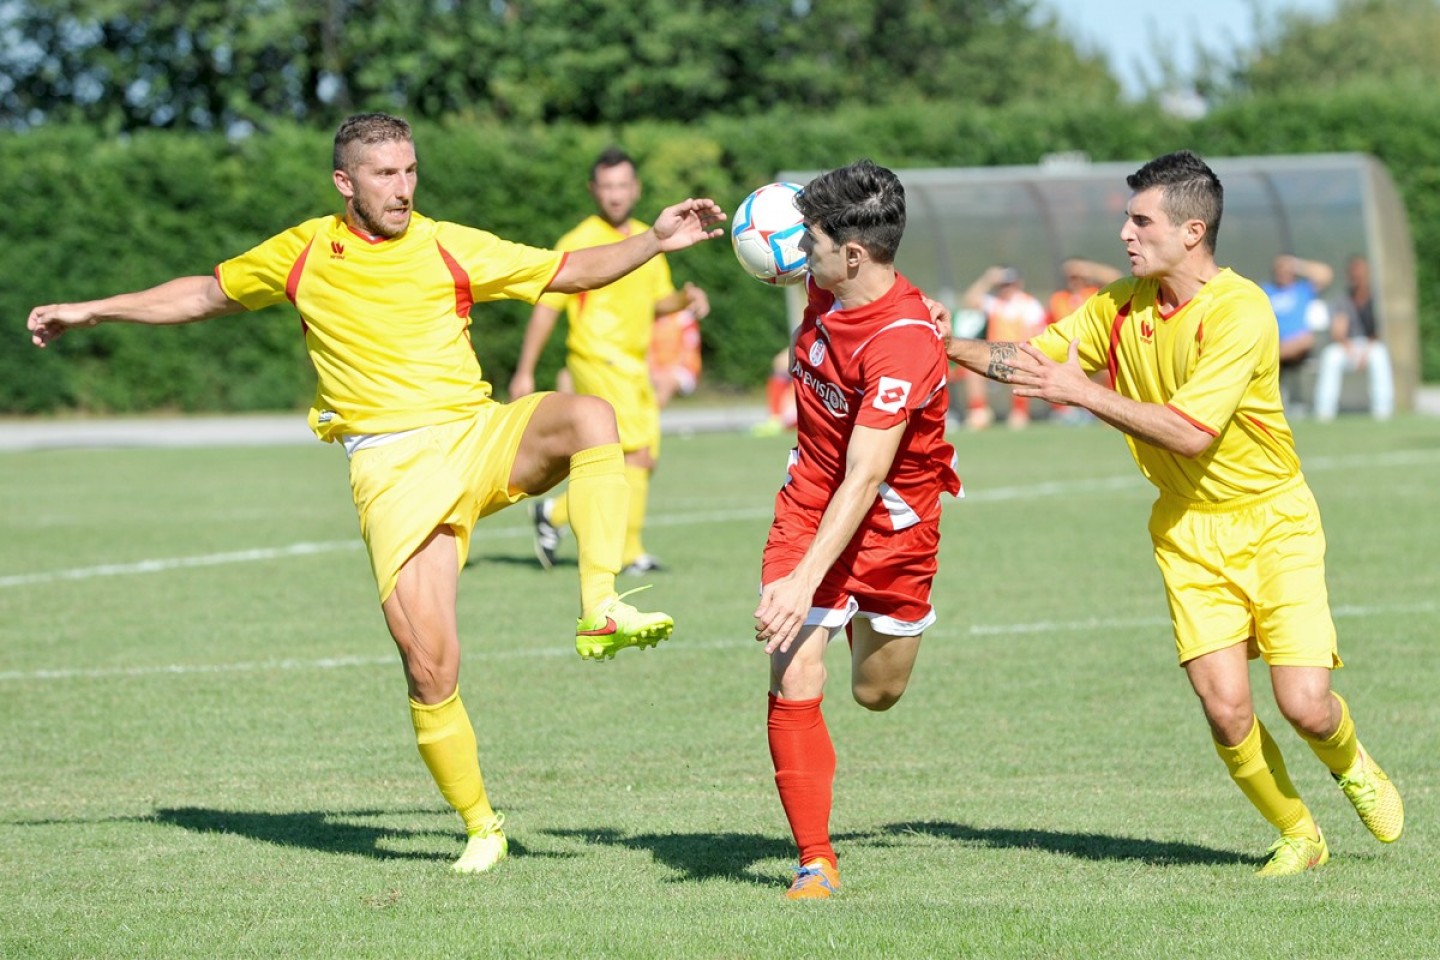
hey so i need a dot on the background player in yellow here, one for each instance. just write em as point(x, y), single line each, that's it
point(385, 295)
point(1193, 360)
point(606, 347)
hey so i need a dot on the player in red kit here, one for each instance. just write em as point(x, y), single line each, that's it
point(857, 523)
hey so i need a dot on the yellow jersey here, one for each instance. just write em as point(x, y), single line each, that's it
point(387, 320)
point(1214, 360)
point(612, 323)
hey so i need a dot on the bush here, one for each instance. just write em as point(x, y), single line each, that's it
point(101, 216)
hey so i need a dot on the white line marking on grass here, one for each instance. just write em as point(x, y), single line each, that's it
point(290, 663)
point(1347, 612)
point(178, 563)
point(528, 653)
point(1026, 491)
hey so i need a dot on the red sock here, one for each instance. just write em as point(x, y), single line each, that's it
point(804, 772)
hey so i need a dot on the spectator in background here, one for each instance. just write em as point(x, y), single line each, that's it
point(1295, 286)
point(779, 398)
point(1355, 345)
point(674, 357)
point(1011, 314)
point(1082, 278)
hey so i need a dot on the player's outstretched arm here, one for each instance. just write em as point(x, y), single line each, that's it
point(1154, 423)
point(998, 360)
point(683, 225)
point(183, 300)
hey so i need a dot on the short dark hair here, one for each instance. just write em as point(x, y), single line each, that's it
point(863, 202)
point(1189, 190)
point(367, 129)
point(609, 157)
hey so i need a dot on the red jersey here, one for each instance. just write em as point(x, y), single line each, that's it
point(873, 366)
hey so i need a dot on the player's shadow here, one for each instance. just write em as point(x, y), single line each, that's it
point(1083, 846)
point(698, 856)
point(342, 832)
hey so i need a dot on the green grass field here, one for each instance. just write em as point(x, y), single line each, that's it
point(205, 749)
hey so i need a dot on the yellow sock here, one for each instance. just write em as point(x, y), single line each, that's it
point(560, 510)
point(598, 497)
point(639, 480)
point(1339, 750)
point(447, 745)
point(1259, 771)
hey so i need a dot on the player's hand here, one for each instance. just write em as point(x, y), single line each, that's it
point(697, 302)
point(521, 385)
point(939, 315)
point(784, 605)
point(1054, 382)
point(46, 324)
point(688, 223)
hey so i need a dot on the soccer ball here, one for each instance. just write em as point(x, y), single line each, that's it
point(767, 233)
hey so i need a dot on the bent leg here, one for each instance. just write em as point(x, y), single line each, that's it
point(576, 435)
point(880, 665)
point(1222, 682)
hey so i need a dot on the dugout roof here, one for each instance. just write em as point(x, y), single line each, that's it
point(1326, 207)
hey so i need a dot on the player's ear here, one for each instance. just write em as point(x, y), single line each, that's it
point(1194, 232)
point(344, 184)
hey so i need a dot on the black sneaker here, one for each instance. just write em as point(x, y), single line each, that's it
point(547, 535)
point(645, 563)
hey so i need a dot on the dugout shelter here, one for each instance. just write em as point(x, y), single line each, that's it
point(1325, 207)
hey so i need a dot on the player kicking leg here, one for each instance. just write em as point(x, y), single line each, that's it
point(576, 435)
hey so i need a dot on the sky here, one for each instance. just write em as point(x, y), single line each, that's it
point(1127, 30)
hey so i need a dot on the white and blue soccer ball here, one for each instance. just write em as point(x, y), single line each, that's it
point(767, 232)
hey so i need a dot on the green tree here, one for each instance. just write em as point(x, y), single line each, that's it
point(1369, 43)
point(216, 64)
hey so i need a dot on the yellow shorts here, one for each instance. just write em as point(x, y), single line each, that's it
point(626, 384)
point(450, 475)
point(1250, 571)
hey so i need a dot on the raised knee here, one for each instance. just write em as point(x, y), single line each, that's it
point(878, 699)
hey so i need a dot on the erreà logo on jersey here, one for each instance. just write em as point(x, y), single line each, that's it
point(891, 394)
point(1147, 331)
point(337, 250)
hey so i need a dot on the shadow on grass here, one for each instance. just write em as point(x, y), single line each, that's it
point(1083, 846)
point(733, 856)
point(326, 831)
point(698, 856)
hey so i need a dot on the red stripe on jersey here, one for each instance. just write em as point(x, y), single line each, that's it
point(463, 299)
point(1192, 421)
point(1113, 361)
point(563, 258)
point(1262, 426)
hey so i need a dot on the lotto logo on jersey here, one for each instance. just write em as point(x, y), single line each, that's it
point(891, 395)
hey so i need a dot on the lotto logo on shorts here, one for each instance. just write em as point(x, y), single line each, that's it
point(891, 394)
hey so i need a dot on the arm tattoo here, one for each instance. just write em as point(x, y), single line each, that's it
point(1000, 367)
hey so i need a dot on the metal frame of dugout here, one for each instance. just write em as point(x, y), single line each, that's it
point(1325, 207)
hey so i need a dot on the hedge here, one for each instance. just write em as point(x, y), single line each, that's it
point(99, 216)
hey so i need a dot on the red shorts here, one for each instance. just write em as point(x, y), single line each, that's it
point(883, 575)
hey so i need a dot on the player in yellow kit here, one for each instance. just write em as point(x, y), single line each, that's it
point(1193, 360)
point(385, 296)
point(606, 347)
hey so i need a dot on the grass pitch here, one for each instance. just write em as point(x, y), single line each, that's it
point(205, 749)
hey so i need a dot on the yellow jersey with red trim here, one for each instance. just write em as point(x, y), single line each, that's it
point(613, 322)
point(1214, 360)
point(387, 320)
